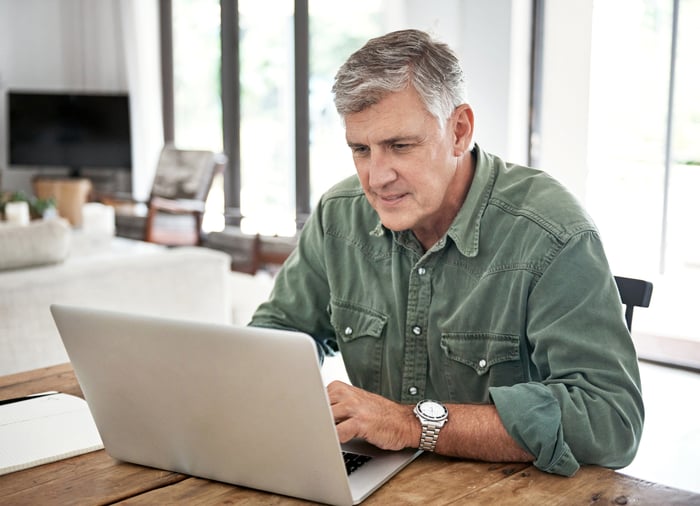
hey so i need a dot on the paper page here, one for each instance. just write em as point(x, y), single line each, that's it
point(44, 429)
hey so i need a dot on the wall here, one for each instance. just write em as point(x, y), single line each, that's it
point(495, 51)
point(492, 40)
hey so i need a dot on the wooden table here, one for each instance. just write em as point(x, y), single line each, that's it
point(96, 478)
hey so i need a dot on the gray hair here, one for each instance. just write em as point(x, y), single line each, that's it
point(394, 61)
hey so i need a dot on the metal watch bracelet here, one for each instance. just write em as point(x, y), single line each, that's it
point(428, 437)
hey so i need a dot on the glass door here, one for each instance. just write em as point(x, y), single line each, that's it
point(644, 154)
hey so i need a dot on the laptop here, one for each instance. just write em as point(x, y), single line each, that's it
point(235, 404)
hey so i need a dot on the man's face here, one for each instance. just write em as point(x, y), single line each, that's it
point(408, 166)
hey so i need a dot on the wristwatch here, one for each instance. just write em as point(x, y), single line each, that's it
point(432, 416)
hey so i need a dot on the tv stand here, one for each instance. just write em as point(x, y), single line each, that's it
point(70, 195)
point(75, 173)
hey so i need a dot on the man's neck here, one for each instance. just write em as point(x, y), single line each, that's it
point(454, 199)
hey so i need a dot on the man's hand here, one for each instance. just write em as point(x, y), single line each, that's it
point(384, 423)
point(473, 431)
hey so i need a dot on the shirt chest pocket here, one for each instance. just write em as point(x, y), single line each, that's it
point(359, 332)
point(474, 362)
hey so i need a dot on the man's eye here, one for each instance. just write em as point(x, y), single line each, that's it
point(359, 150)
point(400, 147)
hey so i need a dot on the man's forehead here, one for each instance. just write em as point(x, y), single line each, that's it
point(367, 131)
point(398, 116)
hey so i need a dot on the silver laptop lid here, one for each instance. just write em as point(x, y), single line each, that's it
point(241, 405)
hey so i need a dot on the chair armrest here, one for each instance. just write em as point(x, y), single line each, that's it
point(124, 204)
point(176, 206)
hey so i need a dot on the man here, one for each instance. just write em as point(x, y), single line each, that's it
point(449, 275)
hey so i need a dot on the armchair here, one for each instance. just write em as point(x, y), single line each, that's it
point(175, 209)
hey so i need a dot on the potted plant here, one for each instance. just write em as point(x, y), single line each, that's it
point(38, 207)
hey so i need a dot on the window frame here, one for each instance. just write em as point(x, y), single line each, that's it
point(231, 107)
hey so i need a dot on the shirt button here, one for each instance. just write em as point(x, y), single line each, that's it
point(417, 330)
point(348, 331)
point(413, 391)
point(421, 271)
point(482, 363)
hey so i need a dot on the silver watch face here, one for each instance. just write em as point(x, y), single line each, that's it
point(432, 410)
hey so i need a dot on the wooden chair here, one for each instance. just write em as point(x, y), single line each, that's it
point(175, 209)
point(271, 252)
point(633, 292)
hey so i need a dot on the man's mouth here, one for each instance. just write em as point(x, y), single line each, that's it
point(390, 199)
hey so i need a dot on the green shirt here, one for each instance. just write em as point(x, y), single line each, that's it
point(514, 306)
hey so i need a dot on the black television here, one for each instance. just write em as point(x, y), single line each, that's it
point(68, 130)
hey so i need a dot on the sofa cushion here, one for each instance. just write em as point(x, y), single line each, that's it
point(39, 243)
point(247, 293)
point(184, 283)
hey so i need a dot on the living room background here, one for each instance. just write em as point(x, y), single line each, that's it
point(599, 84)
point(85, 46)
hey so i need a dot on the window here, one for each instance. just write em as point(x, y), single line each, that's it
point(628, 111)
point(267, 116)
point(645, 157)
point(197, 74)
point(267, 146)
point(197, 89)
point(334, 37)
point(682, 240)
point(644, 118)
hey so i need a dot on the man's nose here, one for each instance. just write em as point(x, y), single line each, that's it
point(381, 169)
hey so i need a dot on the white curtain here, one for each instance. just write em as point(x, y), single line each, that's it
point(140, 25)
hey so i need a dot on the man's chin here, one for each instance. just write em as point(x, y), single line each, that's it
point(396, 219)
point(397, 225)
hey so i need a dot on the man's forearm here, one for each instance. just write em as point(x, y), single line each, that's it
point(472, 431)
point(476, 432)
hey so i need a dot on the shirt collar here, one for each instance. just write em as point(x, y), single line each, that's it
point(465, 228)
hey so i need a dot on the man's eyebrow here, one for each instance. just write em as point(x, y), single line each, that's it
point(400, 139)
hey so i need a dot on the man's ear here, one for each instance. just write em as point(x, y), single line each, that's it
point(463, 128)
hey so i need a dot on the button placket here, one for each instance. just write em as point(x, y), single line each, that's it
point(414, 379)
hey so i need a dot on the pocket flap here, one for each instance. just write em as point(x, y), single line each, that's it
point(480, 351)
point(352, 321)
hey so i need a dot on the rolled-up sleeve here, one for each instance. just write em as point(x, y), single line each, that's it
point(532, 416)
point(300, 294)
point(587, 406)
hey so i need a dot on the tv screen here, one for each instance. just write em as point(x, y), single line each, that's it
point(74, 130)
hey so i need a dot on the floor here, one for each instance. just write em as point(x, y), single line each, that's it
point(670, 446)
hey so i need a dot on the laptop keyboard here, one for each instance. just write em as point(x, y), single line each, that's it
point(353, 461)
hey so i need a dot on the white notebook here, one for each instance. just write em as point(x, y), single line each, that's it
point(44, 428)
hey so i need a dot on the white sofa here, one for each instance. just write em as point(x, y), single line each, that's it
point(188, 283)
